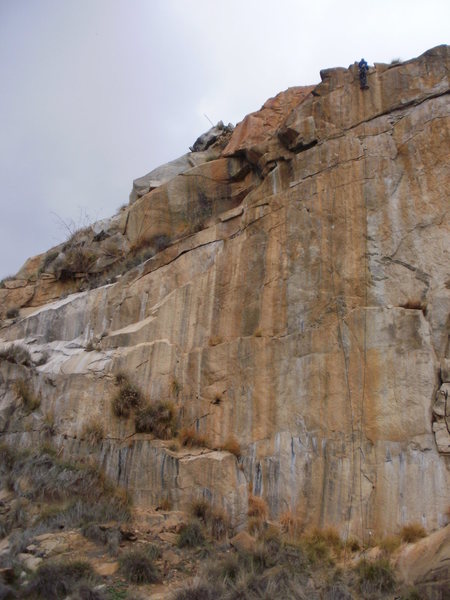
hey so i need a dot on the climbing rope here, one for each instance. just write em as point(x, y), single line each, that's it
point(346, 368)
point(363, 395)
point(346, 364)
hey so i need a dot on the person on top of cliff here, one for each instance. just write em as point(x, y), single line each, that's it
point(363, 68)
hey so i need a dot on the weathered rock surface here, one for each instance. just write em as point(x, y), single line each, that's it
point(207, 147)
point(426, 565)
point(256, 136)
point(164, 173)
point(297, 297)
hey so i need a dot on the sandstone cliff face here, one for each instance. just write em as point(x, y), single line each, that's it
point(297, 298)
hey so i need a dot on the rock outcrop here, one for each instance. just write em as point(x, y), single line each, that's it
point(294, 293)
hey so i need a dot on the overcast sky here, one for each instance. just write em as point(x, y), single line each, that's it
point(95, 93)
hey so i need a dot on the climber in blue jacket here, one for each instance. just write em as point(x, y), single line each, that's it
point(363, 68)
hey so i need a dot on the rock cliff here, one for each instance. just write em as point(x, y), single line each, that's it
point(285, 285)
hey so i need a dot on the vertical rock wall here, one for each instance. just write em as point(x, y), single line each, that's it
point(303, 310)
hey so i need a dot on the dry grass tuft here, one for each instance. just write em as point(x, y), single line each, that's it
point(291, 524)
point(375, 577)
point(191, 535)
point(12, 313)
point(255, 525)
point(330, 535)
point(137, 566)
point(164, 504)
point(93, 432)
point(158, 418)
point(127, 398)
point(121, 378)
point(389, 543)
point(58, 579)
point(200, 509)
point(232, 445)
point(353, 544)
point(48, 424)
point(175, 387)
point(257, 507)
point(16, 354)
point(190, 438)
point(322, 545)
point(412, 532)
point(30, 401)
point(215, 519)
point(219, 524)
point(414, 304)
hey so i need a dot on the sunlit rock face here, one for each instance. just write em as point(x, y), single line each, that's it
point(299, 302)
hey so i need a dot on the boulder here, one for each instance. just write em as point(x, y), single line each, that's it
point(211, 136)
point(426, 565)
point(256, 136)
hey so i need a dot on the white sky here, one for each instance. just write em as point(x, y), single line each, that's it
point(95, 93)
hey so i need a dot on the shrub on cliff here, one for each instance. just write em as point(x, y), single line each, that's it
point(328, 535)
point(16, 354)
point(158, 418)
point(12, 313)
point(219, 524)
point(191, 438)
point(257, 507)
point(128, 397)
point(215, 519)
point(389, 543)
point(291, 524)
point(15, 517)
point(412, 532)
point(232, 445)
point(200, 509)
point(30, 401)
point(93, 432)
